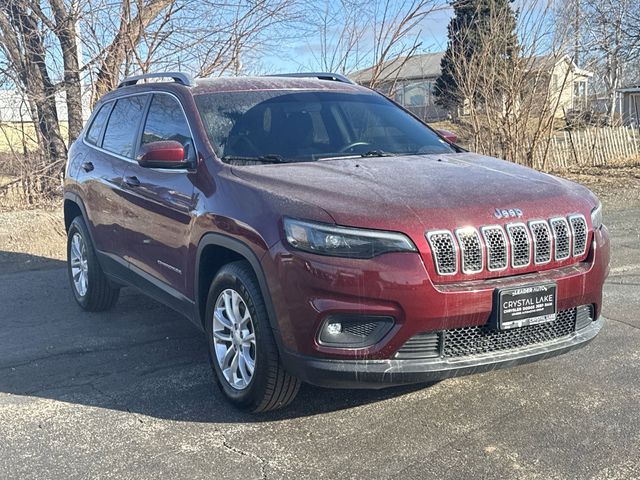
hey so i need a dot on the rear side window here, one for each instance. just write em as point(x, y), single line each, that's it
point(93, 134)
point(122, 128)
point(166, 121)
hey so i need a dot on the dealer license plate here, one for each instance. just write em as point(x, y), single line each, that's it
point(526, 305)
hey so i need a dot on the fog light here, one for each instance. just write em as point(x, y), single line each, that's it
point(353, 331)
point(334, 328)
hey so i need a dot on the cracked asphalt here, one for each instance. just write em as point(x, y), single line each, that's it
point(129, 394)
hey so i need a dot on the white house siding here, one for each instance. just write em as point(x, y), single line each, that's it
point(15, 108)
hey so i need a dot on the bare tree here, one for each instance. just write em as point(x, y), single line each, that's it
point(396, 31)
point(380, 35)
point(236, 37)
point(23, 44)
point(50, 47)
point(608, 35)
point(510, 102)
point(338, 36)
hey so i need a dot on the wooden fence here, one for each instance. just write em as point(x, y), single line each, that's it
point(592, 146)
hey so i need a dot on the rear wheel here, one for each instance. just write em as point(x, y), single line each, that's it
point(91, 288)
point(242, 350)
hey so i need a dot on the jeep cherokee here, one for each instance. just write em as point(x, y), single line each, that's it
point(318, 232)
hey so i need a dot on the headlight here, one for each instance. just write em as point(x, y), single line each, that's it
point(337, 241)
point(596, 217)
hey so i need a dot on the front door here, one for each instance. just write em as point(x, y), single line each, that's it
point(159, 202)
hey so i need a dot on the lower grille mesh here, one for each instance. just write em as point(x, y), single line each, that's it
point(461, 342)
point(467, 341)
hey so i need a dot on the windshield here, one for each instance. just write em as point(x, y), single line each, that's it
point(294, 126)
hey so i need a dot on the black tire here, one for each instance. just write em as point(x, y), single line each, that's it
point(271, 387)
point(101, 294)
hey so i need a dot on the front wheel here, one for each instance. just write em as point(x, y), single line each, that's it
point(91, 288)
point(242, 350)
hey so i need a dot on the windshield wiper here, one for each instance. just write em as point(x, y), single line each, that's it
point(269, 158)
point(376, 153)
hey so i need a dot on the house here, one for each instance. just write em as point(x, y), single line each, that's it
point(410, 81)
point(568, 84)
point(629, 105)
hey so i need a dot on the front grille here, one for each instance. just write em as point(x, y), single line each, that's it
point(562, 237)
point(496, 242)
point(516, 244)
point(470, 250)
point(520, 245)
point(477, 340)
point(579, 234)
point(541, 242)
point(444, 252)
point(461, 342)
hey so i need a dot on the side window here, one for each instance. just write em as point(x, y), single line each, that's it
point(120, 135)
point(93, 134)
point(166, 121)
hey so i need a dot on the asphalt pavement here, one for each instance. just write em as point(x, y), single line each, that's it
point(129, 394)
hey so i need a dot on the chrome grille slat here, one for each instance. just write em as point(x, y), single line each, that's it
point(579, 233)
point(444, 249)
point(520, 244)
point(495, 241)
point(541, 241)
point(516, 245)
point(470, 250)
point(561, 238)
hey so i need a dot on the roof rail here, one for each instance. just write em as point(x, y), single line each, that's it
point(335, 77)
point(178, 77)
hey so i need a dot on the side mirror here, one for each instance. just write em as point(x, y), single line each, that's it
point(448, 136)
point(162, 154)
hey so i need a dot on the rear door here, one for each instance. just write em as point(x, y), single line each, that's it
point(100, 172)
point(114, 152)
point(159, 202)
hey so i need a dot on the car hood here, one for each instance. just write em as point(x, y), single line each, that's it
point(426, 191)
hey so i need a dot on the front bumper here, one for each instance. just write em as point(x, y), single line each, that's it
point(385, 373)
point(307, 288)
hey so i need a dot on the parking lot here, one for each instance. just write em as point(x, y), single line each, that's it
point(129, 394)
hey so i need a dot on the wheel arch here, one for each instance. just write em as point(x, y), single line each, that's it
point(216, 250)
point(73, 207)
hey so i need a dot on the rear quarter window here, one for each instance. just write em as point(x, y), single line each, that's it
point(122, 129)
point(99, 120)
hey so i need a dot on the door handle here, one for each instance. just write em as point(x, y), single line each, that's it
point(132, 181)
point(87, 166)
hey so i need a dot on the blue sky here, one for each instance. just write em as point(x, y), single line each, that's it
point(298, 56)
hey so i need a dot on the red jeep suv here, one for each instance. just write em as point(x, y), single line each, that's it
point(318, 232)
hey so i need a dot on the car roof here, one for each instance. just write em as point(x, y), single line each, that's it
point(239, 84)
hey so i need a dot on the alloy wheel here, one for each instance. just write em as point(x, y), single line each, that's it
point(79, 264)
point(234, 339)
